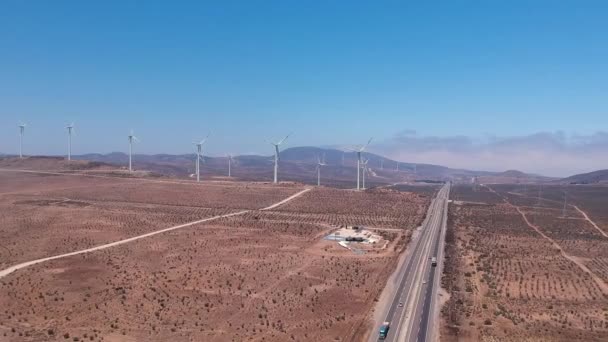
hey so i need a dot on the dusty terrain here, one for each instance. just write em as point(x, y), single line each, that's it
point(261, 275)
point(520, 268)
point(52, 164)
point(55, 214)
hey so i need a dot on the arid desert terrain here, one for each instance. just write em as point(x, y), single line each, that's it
point(237, 261)
point(527, 263)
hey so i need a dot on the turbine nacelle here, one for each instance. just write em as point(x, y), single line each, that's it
point(132, 137)
point(276, 155)
point(199, 155)
point(359, 149)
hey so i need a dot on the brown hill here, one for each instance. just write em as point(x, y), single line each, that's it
point(600, 176)
point(52, 164)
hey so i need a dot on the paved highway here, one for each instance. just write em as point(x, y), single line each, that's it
point(412, 312)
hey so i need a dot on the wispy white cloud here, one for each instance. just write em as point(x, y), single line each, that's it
point(547, 153)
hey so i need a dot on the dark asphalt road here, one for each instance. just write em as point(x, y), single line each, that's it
point(417, 279)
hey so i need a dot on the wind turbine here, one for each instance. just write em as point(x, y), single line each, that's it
point(21, 131)
point(276, 156)
point(319, 164)
point(382, 164)
point(230, 160)
point(364, 163)
point(199, 155)
point(132, 138)
point(70, 127)
point(359, 151)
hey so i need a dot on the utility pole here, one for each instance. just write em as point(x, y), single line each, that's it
point(565, 201)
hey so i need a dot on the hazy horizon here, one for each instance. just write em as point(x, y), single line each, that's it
point(543, 153)
point(484, 86)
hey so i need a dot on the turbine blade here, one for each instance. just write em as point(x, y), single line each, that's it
point(207, 137)
point(270, 142)
point(368, 142)
point(282, 140)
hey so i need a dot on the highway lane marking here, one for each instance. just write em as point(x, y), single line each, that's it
point(403, 278)
point(422, 266)
point(421, 316)
point(415, 257)
point(439, 269)
point(7, 271)
point(420, 274)
point(401, 274)
point(424, 269)
point(407, 305)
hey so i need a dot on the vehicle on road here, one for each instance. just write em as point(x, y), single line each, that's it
point(384, 330)
point(434, 261)
point(400, 304)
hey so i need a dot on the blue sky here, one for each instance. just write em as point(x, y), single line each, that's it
point(334, 72)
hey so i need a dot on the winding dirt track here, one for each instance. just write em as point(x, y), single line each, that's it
point(591, 221)
point(5, 272)
point(556, 245)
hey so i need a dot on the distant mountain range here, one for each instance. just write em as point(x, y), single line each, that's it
point(300, 163)
point(600, 176)
point(512, 177)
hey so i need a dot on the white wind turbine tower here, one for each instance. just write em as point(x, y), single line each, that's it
point(276, 156)
point(70, 127)
point(319, 164)
point(21, 131)
point(364, 163)
point(132, 138)
point(199, 155)
point(230, 160)
point(565, 202)
point(359, 151)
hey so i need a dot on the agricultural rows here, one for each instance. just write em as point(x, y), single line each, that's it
point(208, 196)
point(36, 228)
point(202, 283)
point(509, 283)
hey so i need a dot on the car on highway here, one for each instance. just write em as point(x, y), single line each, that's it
point(400, 304)
point(384, 330)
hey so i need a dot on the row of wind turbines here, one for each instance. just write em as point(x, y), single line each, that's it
point(361, 164)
